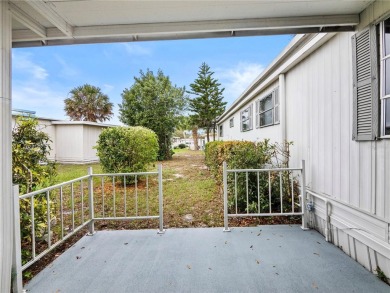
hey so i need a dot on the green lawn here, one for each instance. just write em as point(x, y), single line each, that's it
point(188, 190)
point(69, 172)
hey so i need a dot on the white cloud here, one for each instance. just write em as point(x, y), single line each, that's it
point(38, 97)
point(32, 89)
point(107, 88)
point(65, 70)
point(236, 79)
point(22, 62)
point(137, 49)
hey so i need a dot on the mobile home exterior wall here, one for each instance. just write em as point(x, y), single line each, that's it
point(351, 172)
point(353, 176)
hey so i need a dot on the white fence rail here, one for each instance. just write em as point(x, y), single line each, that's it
point(53, 214)
point(264, 193)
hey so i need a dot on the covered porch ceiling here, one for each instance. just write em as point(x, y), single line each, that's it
point(58, 22)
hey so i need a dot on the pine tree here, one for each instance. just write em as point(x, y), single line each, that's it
point(207, 103)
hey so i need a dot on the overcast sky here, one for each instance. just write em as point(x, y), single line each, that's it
point(43, 77)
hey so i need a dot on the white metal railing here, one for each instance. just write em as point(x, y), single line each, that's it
point(55, 213)
point(248, 198)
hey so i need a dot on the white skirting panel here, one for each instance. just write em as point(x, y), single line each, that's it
point(360, 235)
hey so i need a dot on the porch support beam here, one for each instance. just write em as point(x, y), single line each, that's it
point(192, 29)
point(27, 20)
point(217, 26)
point(6, 200)
point(51, 15)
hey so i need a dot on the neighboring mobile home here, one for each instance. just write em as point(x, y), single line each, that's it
point(71, 142)
point(329, 93)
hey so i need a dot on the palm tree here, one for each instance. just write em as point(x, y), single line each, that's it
point(88, 103)
point(189, 122)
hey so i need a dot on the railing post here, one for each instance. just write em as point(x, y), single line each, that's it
point(160, 201)
point(303, 196)
point(91, 225)
point(225, 199)
point(17, 284)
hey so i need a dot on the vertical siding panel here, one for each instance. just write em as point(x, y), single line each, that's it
point(346, 114)
point(327, 116)
point(321, 117)
point(386, 177)
point(316, 129)
point(354, 156)
point(365, 175)
point(380, 179)
point(310, 116)
point(373, 193)
point(354, 159)
point(335, 123)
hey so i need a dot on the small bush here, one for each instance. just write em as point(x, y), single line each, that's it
point(252, 155)
point(127, 149)
point(182, 146)
point(237, 154)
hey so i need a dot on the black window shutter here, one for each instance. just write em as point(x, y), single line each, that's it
point(365, 85)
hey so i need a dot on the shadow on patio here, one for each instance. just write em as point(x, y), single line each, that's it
point(258, 259)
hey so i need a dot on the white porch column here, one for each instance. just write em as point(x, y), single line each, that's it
point(6, 212)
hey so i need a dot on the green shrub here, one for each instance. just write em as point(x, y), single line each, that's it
point(182, 146)
point(237, 154)
point(31, 170)
point(252, 155)
point(127, 149)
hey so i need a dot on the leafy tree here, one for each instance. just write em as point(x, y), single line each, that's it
point(30, 149)
point(153, 102)
point(208, 102)
point(88, 103)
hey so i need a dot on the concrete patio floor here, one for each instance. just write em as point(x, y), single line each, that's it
point(259, 259)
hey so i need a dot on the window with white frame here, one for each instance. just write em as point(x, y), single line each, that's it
point(385, 74)
point(267, 109)
point(246, 119)
point(231, 122)
point(220, 130)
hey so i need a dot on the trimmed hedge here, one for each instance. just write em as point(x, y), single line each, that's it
point(127, 149)
point(252, 155)
point(238, 155)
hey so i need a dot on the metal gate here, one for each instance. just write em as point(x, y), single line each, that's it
point(264, 193)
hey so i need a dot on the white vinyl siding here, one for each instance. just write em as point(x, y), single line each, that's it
point(319, 123)
point(246, 119)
